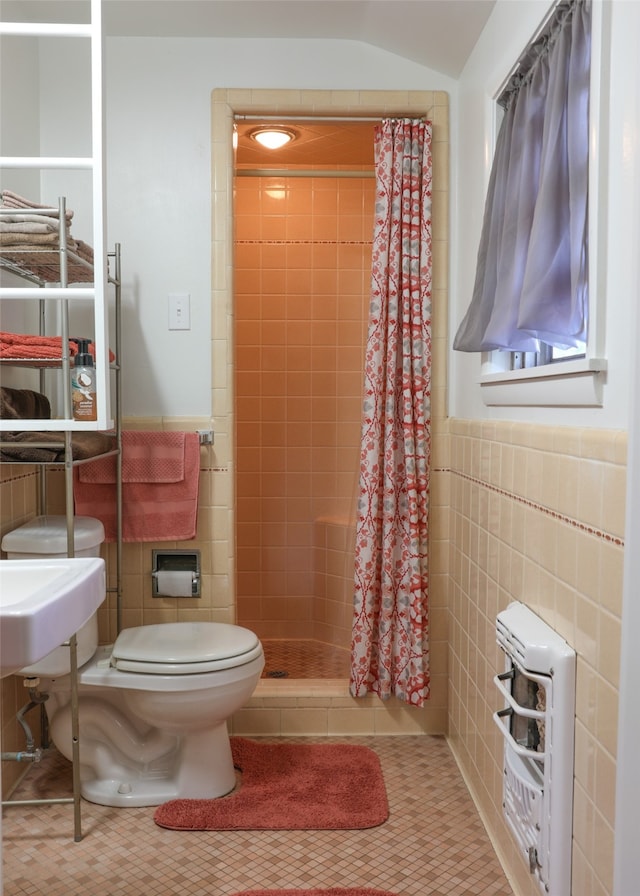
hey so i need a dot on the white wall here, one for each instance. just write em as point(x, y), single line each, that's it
point(19, 65)
point(158, 184)
point(19, 135)
point(158, 96)
point(506, 33)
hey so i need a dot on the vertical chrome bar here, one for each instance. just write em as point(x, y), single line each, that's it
point(118, 344)
point(64, 311)
point(42, 474)
point(68, 489)
point(75, 738)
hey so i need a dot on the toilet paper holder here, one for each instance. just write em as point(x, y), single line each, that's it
point(167, 561)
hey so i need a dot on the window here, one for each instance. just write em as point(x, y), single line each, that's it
point(530, 310)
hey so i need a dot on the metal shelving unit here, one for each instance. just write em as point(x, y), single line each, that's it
point(63, 267)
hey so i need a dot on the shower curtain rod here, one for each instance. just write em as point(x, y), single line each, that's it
point(310, 117)
point(289, 172)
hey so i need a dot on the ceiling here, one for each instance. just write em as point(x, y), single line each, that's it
point(317, 143)
point(439, 34)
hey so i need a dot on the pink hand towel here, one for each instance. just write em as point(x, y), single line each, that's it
point(146, 457)
point(159, 490)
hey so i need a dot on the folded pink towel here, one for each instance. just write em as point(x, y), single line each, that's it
point(159, 492)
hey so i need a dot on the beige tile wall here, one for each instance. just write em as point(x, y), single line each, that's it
point(537, 515)
point(139, 607)
point(320, 708)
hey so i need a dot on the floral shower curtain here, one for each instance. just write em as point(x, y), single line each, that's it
point(390, 637)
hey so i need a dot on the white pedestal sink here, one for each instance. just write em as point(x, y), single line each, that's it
point(43, 603)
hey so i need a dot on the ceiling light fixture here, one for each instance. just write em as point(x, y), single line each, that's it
point(273, 138)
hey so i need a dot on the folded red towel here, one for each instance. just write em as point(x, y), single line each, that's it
point(14, 346)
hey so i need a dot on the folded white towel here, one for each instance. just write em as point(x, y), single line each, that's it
point(25, 227)
point(33, 239)
point(26, 218)
point(14, 200)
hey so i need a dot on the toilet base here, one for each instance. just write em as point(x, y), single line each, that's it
point(144, 769)
point(194, 775)
point(131, 793)
point(122, 794)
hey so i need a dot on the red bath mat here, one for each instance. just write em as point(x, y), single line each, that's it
point(360, 891)
point(288, 786)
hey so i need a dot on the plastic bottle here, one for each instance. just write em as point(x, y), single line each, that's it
point(83, 383)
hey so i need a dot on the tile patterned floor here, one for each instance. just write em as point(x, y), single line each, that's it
point(433, 843)
point(304, 659)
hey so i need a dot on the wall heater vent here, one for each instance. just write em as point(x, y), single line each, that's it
point(537, 724)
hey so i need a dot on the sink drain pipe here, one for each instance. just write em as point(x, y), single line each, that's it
point(23, 756)
point(32, 753)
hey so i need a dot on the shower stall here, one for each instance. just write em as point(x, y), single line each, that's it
point(302, 279)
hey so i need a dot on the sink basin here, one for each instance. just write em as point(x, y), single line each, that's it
point(43, 603)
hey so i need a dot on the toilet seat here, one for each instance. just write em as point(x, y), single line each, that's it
point(184, 648)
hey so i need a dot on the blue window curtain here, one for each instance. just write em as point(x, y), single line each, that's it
point(531, 281)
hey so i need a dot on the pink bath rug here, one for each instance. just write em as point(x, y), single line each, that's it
point(359, 891)
point(290, 786)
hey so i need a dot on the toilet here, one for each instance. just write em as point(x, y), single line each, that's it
point(153, 710)
point(153, 706)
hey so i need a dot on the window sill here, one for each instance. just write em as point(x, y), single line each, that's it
point(563, 384)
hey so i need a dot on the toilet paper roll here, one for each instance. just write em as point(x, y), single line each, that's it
point(174, 583)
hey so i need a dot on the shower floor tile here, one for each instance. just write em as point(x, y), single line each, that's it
point(304, 659)
point(433, 843)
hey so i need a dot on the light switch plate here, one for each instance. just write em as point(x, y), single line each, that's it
point(179, 311)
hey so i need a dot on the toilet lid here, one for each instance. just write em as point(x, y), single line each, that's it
point(183, 647)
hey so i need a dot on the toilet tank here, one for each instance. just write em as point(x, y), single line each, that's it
point(46, 537)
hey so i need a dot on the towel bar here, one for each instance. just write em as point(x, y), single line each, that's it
point(205, 436)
